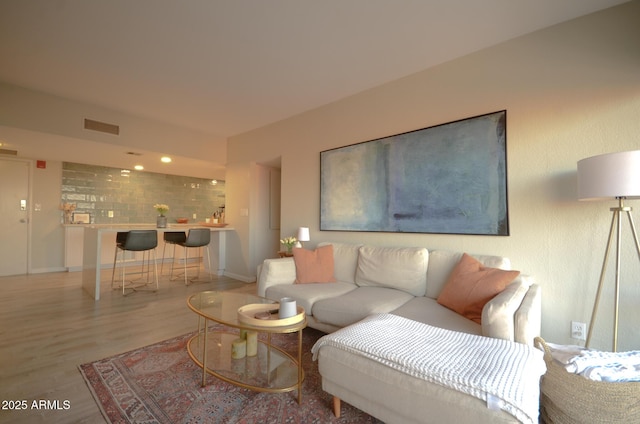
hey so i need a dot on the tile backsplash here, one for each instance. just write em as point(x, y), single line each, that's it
point(130, 195)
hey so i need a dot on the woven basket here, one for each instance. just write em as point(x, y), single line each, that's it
point(568, 398)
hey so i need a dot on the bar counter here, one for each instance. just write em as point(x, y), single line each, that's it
point(92, 248)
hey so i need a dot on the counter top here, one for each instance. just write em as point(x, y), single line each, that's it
point(94, 236)
point(146, 226)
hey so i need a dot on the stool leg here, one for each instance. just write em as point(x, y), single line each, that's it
point(149, 267)
point(124, 272)
point(186, 259)
point(115, 261)
point(141, 278)
point(149, 281)
point(198, 255)
point(173, 262)
point(162, 263)
point(209, 259)
point(145, 259)
point(155, 265)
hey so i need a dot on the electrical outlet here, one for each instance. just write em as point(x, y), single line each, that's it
point(110, 214)
point(578, 330)
point(195, 216)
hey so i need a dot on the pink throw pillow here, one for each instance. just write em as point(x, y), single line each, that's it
point(471, 285)
point(314, 266)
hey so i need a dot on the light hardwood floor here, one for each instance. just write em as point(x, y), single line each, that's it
point(49, 326)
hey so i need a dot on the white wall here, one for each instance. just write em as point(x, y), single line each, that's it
point(570, 91)
point(58, 124)
point(37, 111)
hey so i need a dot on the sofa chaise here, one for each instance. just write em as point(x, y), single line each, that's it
point(405, 282)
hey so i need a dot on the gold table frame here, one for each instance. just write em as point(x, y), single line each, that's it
point(272, 370)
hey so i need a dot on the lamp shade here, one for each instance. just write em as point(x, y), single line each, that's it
point(303, 234)
point(609, 176)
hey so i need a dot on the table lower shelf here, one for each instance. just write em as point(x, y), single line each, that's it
point(271, 370)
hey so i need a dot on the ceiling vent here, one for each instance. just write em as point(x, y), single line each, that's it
point(90, 124)
point(8, 152)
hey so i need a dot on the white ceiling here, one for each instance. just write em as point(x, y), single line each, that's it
point(228, 66)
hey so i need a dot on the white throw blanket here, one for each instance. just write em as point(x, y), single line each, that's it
point(597, 365)
point(501, 372)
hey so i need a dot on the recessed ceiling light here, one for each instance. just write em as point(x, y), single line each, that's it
point(138, 167)
point(165, 159)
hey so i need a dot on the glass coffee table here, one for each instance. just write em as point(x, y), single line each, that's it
point(271, 370)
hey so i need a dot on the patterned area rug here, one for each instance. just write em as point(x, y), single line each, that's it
point(161, 384)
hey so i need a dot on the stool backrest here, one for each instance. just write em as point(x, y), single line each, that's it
point(174, 237)
point(198, 237)
point(138, 240)
point(121, 237)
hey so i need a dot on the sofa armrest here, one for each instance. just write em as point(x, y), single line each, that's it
point(275, 271)
point(498, 315)
point(528, 317)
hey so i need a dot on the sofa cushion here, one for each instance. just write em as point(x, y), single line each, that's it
point(471, 285)
point(307, 294)
point(428, 311)
point(314, 266)
point(358, 304)
point(345, 260)
point(402, 268)
point(442, 263)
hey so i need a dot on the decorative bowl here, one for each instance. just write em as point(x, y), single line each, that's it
point(182, 220)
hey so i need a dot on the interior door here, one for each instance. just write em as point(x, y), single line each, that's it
point(14, 210)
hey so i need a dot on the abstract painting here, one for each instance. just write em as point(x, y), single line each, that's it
point(446, 179)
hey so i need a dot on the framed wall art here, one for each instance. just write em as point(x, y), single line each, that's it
point(446, 179)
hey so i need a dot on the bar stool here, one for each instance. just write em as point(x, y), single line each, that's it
point(197, 238)
point(144, 241)
point(171, 237)
point(121, 238)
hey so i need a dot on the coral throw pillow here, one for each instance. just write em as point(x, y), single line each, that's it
point(314, 266)
point(471, 285)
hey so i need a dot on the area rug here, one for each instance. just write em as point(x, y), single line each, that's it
point(161, 384)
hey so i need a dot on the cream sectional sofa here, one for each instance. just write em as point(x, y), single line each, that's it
point(404, 282)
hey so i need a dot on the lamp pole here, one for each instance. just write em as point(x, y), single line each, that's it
point(615, 222)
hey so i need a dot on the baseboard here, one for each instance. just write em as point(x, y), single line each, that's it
point(245, 278)
point(45, 270)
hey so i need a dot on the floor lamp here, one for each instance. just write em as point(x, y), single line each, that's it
point(604, 177)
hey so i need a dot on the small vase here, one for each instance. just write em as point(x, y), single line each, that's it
point(161, 221)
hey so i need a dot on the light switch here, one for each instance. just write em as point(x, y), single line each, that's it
point(244, 212)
